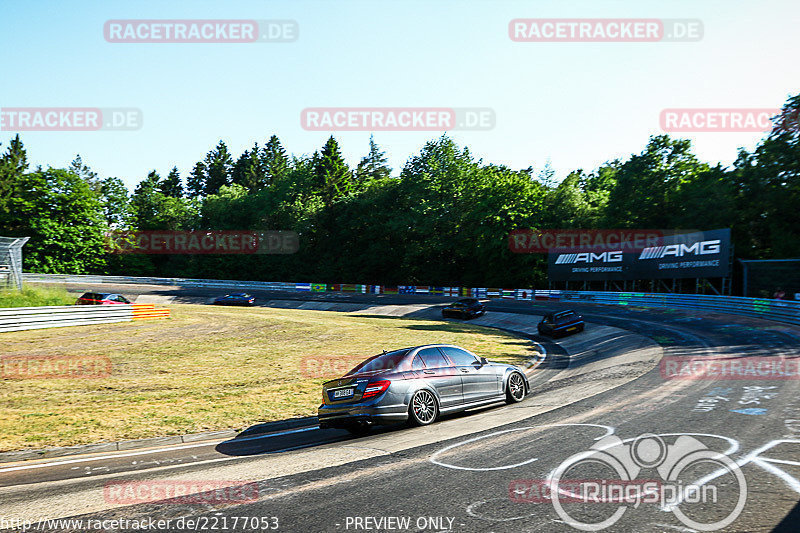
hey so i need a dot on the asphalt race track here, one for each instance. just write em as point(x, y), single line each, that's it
point(481, 471)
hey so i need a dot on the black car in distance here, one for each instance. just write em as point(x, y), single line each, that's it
point(239, 298)
point(561, 323)
point(466, 308)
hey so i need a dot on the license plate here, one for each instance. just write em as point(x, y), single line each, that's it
point(573, 328)
point(343, 393)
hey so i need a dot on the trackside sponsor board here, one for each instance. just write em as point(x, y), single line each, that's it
point(702, 254)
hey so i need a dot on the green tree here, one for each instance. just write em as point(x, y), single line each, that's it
point(248, 171)
point(116, 203)
point(83, 171)
point(274, 161)
point(219, 164)
point(646, 194)
point(171, 185)
point(196, 182)
point(156, 211)
point(767, 185)
point(13, 165)
point(332, 173)
point(373, 165)
point(64, 217)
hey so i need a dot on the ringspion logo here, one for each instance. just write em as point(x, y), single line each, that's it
point(677, 488)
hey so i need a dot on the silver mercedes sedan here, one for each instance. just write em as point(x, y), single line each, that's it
point(416, 385)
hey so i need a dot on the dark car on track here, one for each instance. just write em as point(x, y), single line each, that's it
point(416, 385)
point(466, 308)
point(561, 323)
point(239, 298)
point(101, 298)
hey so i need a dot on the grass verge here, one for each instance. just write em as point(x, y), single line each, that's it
point(207, 368)
point(33, 296)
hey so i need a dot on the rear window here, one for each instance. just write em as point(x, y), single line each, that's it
point(566, 316)
point(386, 361)
point(90, 296)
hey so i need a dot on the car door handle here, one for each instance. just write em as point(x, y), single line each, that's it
point(465, 370)
point(428, 372)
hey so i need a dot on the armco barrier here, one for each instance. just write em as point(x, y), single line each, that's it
point(24, 318)
point(780, 310)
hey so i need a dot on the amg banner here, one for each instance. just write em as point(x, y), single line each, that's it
point(702, 254)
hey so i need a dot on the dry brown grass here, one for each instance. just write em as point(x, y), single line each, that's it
point(207, 368)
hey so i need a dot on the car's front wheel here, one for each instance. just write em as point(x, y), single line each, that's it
point(515, 390)
point(423, 409)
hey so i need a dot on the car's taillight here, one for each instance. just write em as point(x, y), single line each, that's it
point(375, 388)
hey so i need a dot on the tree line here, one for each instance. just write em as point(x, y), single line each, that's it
point(444, 220)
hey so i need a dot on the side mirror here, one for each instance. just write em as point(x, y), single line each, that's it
point(484, 361)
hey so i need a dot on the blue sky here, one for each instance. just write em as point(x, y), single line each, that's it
point(573, 104)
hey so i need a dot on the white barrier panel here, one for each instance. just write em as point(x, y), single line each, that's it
point(24, 318)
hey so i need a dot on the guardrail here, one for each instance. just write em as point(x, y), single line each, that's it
point(779, 310)
point(455, 292)
point(25, 318)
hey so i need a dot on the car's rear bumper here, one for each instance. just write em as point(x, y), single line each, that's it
point(333, 416)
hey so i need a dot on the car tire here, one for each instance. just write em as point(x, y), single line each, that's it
point(515, 388)
point(423, 409)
